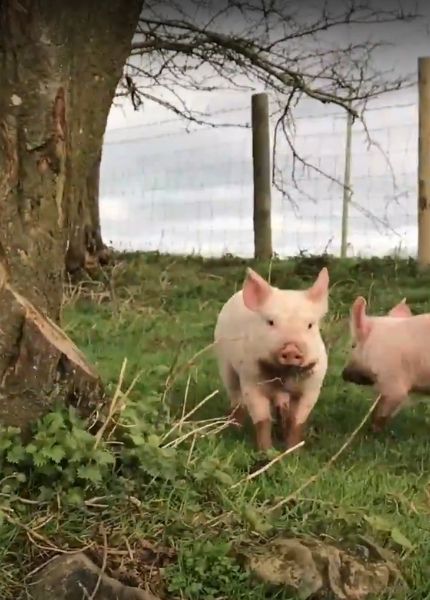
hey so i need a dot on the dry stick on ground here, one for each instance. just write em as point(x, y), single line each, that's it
point(123, 397)
point(214, 428)
point(174, 364)
point(329, 462)
point(32, 535)
point(268, 465)
point(171, 378)
point(190, 453)
point(174, 375)
point(192, 411)
point(112, 406)
point(184, 404)
point(104, 563)
point(14, 498)
point(39, 568)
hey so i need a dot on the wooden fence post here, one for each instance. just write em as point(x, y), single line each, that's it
point(423, 161)
point(262, 176)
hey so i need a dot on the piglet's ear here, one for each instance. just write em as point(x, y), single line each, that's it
point(319, 289)
point(360, 323)
point(255, 290)
point(400, 310)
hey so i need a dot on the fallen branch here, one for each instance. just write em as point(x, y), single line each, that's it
point(328, 463)
point(268, 465)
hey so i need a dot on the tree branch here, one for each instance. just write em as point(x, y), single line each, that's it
point(273, 44)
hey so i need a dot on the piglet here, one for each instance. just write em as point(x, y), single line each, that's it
point(391, 353)
point(271, 355)
point(400, 310)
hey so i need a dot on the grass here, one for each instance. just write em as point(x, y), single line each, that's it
point(133, 498)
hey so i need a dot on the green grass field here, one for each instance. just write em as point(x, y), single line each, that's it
point(132, 492)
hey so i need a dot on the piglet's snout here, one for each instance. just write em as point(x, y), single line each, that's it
point(291, 354)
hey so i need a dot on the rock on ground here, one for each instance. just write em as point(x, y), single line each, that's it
point(309, 567)
point(74, 577)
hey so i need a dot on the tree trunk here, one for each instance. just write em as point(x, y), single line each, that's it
point(98, 73)
point(59, 64)
point(86, 249)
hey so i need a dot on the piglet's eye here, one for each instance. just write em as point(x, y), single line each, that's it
point(353, 345)
point(270, 322)
point(310, 325)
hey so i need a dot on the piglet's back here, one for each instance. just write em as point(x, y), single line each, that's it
point(412, 331)
point(401, 343)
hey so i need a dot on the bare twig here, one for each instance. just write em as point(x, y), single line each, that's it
point(34, 535)
point(112, 406)
point(181, 421)
point(104, 563)
point(329, 463)
point(189, 363)
point(267, 466)
point(271, 45)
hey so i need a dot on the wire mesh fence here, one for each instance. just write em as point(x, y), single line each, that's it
point(168, 189)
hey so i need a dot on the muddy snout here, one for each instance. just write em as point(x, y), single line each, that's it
point(291, 355)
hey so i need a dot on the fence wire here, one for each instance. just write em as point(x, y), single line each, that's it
point(168, 189)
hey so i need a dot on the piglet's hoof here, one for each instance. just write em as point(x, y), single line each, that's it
point(263, 435)
point(291, 445)
point(378, 424)
point(293, 437)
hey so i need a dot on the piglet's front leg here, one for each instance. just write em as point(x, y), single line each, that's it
point(387, 407)
point(282, 408)
point(263, 435)
point(238, 415)
point(299, 410)
point(294, 430)
point(291, 431)
point(259, 409)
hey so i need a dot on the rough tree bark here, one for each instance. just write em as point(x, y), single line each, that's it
point(86, 249)
point(59, 64)
point(98, 70)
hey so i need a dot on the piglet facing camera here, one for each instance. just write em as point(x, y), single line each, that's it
point(271, 355)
